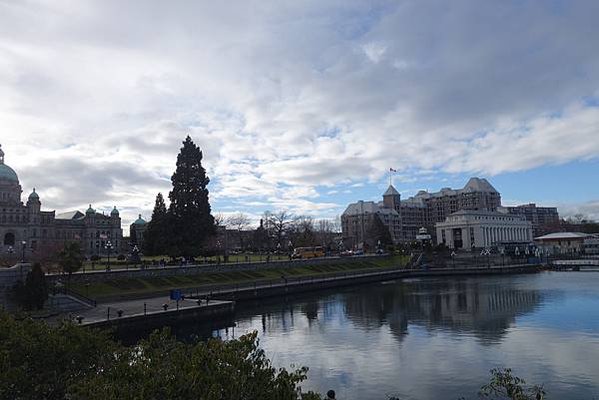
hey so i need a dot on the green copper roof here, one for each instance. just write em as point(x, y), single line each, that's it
point(34, 195)
point(8, 174)
point(140, 221)
point(90, 210)
point(114, 211)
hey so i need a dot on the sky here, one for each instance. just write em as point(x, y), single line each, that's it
point(301, 105)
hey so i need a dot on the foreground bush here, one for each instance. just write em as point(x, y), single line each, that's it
point(42, 362)
point(70, 362)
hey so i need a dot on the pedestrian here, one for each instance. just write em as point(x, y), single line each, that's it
point(330, 395)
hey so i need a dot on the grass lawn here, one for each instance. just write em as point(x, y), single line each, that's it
point(138, 286)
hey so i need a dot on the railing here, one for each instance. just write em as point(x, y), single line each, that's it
point(66, 291)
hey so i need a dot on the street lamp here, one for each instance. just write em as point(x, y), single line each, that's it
point(24, 245)
point(108, 248)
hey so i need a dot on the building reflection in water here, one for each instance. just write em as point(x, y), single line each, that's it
point(479, 307)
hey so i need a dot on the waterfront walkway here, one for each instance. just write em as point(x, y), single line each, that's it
point(219, 297)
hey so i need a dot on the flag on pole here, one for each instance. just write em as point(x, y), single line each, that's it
point(392, 170)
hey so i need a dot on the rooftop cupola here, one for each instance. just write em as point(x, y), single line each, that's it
point(90, 210)
point(139, 221)
point(114, 212)
point(34, 195)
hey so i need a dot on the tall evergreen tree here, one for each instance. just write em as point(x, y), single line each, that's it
point(190, 222)
point(156, 234)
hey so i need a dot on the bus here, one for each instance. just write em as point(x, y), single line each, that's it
point(308, 252)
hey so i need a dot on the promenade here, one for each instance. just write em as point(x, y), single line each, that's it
point(222, 299)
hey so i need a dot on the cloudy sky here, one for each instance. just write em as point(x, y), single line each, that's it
point(301, 105)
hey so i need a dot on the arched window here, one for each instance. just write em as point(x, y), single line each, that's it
point(9, 239)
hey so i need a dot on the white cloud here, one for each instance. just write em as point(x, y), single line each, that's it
point(374, 51)
point(95, 98)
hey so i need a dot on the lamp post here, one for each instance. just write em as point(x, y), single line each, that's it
point(108, 248)
point(23, 246)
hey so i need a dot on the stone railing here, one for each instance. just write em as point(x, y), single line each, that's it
point(196, 269)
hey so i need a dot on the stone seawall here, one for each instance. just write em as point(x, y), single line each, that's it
point(311, 284)
point(216, 310)
point(154, 272)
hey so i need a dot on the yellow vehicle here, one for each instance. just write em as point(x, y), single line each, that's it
point(308, 252)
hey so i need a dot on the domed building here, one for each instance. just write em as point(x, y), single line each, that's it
point(24, 226)
point(137, 230)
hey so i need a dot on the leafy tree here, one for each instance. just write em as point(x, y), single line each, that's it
point(156, 234)
point(70, 258)
point(190, 221)
point(504, 385)
point(39, 361)
point(36, 287)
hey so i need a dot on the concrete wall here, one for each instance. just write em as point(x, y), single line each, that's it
point(8, 277)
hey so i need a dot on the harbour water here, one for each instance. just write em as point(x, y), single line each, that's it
point(436, 338)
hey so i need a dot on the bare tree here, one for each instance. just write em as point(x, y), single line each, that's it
point(239, 222)
point(303, 231)
point(277, 225)
point(219, 219)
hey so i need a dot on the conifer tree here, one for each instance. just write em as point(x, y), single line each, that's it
point(190, 221)
point(155, 236)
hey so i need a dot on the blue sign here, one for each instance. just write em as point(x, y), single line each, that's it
point(176, 294)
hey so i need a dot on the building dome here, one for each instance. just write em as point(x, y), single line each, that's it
point(6, 172)
point(114, 212)
point(90, 210)
point(34, 195)
point(139, 221)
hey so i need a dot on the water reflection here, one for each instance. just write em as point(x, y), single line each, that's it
point(485, 309)
point(437, 338)
point(432, 338)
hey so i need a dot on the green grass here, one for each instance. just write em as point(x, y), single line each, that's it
point(137, 286)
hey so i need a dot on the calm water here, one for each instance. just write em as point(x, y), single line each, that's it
point(437, 338)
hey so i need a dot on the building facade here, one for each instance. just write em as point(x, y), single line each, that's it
point(357, 221)
point(468, 229)
point(24, 227)
point(566, 243)
point(136, 232)
point(542, 218)
point(406, 217)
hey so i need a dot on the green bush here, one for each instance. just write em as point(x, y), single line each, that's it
point(43, 362)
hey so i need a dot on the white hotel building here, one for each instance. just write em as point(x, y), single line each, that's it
point(469, 229)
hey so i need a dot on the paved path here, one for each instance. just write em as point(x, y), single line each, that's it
point(134, 307)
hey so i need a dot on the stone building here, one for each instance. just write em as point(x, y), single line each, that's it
point(136, 232)
point(24, 227)
point(469, 229)
point(477, 194)
point(425, 209)
point(358, 218)
point(542, 218)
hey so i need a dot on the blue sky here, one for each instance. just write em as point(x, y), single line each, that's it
point(301, 106)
